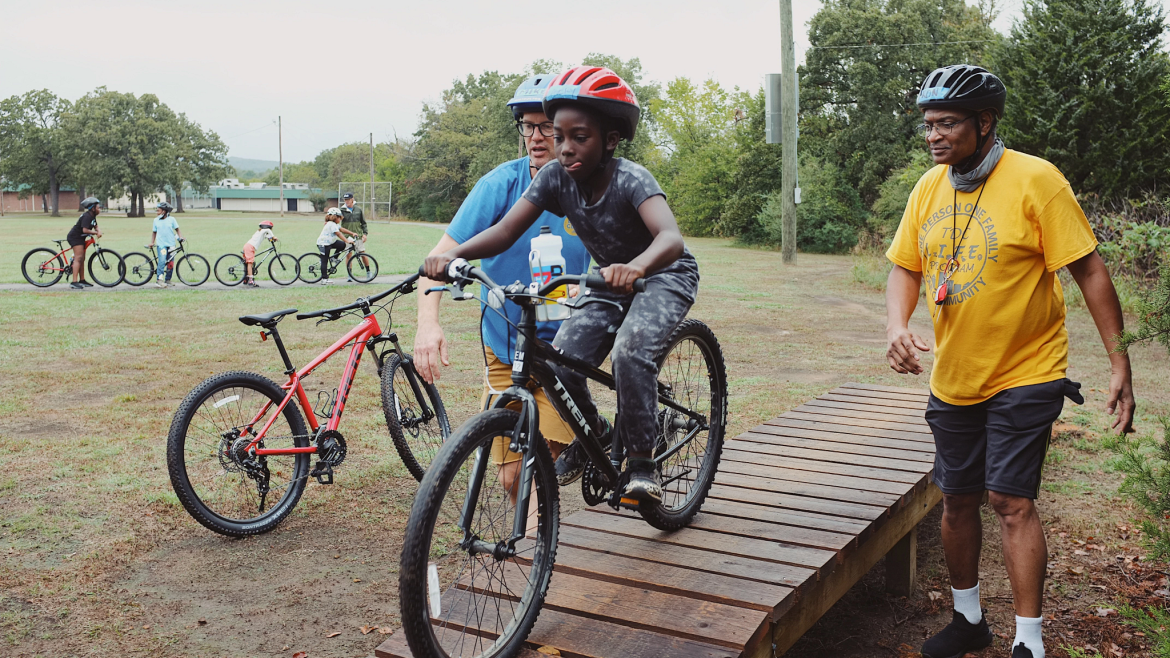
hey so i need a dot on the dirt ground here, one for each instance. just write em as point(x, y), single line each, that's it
point(100, 560)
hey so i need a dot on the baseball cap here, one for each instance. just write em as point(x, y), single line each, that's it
point(347, 195)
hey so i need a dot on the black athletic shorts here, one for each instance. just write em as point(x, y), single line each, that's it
point(998, 444)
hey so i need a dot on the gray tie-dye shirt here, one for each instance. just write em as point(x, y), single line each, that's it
point(611, 229)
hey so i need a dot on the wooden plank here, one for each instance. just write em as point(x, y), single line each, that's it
point(892, 403)
point(746, 510)
point(825, 455)
point(755, 482)
point(831, 409)
point(902, 565)
point(672, 579)
point(816, 417)
point(770, 551)
point(913, 396)
point(920, 392)
point(800, 503)
point(851, 447)
point(823, 424)
point(826, 592)
point(668, 614)
point(818, 466)
point(843, 481)
point(699, 560)
point(895, 414)
point(395, 647)
point(745, 527)
point(846, 437)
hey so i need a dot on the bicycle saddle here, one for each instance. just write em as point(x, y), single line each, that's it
point(266, 320)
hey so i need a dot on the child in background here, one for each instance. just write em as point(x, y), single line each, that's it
point(250, 247)
point(165, 237)
point(329, 240)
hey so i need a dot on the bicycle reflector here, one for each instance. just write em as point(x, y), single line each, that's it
point(263, 336)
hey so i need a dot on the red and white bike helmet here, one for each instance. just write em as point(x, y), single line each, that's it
point(600, 89)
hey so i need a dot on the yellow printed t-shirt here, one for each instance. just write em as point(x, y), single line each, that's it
point(1002, 325)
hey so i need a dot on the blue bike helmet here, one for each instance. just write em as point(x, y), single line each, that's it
point(529, 94)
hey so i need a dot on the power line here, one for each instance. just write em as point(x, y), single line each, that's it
point(899, 45)
point(267, 125)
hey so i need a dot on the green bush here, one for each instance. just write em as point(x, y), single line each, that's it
point(893, 194)
point(829, 218)
point(1134, 249)
point(1145, 461)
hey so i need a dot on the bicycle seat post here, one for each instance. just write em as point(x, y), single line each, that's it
point(288, 366)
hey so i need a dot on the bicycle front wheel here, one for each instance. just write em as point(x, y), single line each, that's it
point(692, 372)
point(42, 267)
point(457, 599)
point(310, 267)
point(283, 269)
point(417, 422)
point(106, 268)
point(362, 268)
point(193, 269)
point(139, 268)
point(222, 485)
point(230, 269)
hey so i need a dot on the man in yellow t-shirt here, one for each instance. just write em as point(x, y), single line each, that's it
point(986, 231)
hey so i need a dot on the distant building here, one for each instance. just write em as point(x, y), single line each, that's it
point(231, 194)
point(67, 199)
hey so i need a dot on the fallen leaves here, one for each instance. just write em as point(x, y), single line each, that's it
point(1106, 612)
point(384, 630)
point(934, 595)
point(548, 651)
point(366, 630)
point(334, 634)
point(301, 654)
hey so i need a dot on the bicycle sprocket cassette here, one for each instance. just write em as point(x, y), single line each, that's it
point(331, 448)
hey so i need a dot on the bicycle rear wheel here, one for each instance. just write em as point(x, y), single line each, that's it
point(230, 269)
point(417, 435)
point(139, 268)
point(193, 269)
point(691, 369)
point(310, 267)
point(106, 268)
point(459, 603)
point(362, 268)
point(221, 485)
point(283, 269)
point(42, 267)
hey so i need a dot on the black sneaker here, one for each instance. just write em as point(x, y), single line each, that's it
point(76, 285)
point(1021, 650)
point(644, 485)
point(571, 464)
point(959, 637)
point(85, 284)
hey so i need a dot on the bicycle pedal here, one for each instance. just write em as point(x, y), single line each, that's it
point(323, 472)
point(628, 503)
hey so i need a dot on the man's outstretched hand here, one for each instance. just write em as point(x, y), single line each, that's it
point(1121, 404)
point(902, 351)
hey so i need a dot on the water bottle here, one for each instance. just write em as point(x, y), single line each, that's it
point(545, 262)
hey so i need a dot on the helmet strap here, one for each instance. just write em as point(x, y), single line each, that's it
point(980, 141)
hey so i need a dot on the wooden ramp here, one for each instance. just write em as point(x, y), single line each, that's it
point(802, 507)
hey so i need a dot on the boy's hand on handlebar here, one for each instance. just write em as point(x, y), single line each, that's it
point(435, 267)
point(620, 277)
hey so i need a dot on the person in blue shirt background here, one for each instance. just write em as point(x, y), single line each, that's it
point(488, 202)
point(165, 236)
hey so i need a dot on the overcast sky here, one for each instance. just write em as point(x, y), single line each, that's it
point(337, 71)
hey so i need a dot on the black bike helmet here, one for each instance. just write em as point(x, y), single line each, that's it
point(89, 202)
point(166, 207)
point(962, 86)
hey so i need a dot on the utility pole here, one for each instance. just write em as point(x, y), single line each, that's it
point(373, 208)
point(280, 154)
point(788, 111)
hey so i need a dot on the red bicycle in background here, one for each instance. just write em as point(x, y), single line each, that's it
point(239, 451)
point(43, 267)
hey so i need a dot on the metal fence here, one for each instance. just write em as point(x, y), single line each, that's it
point(373, 198)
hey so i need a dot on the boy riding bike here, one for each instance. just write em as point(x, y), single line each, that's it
point(620, 213)
point(331, 241)
point(250, 247)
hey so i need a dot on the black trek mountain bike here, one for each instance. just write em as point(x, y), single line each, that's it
point(478, 554)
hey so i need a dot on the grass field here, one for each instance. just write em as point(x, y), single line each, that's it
point(100, 560)
point(212, 234)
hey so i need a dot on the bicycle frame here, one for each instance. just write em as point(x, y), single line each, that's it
point(533, 359)
point(89, 242)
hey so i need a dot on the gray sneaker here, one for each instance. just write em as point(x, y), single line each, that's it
point(571, 464)
point(644, 485)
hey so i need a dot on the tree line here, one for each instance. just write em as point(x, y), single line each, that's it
point(105, 144)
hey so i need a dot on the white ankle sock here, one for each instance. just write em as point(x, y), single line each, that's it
point(1028, 632)
point(967, 603)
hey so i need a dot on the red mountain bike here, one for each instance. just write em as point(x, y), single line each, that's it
point(43, 267)
point(238, 451)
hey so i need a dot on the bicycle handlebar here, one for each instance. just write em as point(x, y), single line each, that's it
point(461, 269)
point(363, 303)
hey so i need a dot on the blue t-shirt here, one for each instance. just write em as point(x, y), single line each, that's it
point(491, 198)
point(164, 229)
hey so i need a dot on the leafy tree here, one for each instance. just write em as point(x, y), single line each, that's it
point(34, 148)
point(757, 175)
point(859, 84)
point(894, 194)
point(831, 214)
point(1083, 91)
point(200, 158)
point(643, 149)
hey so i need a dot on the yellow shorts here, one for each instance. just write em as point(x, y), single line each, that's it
point(552, 426)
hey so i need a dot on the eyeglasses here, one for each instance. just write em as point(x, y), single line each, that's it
point(942, 127)
point(526, 129)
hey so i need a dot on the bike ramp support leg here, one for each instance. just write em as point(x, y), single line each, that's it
point(901, 564)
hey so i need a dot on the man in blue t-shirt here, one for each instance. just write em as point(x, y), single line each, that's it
point(491, 198)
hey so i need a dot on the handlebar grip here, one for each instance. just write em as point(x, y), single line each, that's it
point(598, 282)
